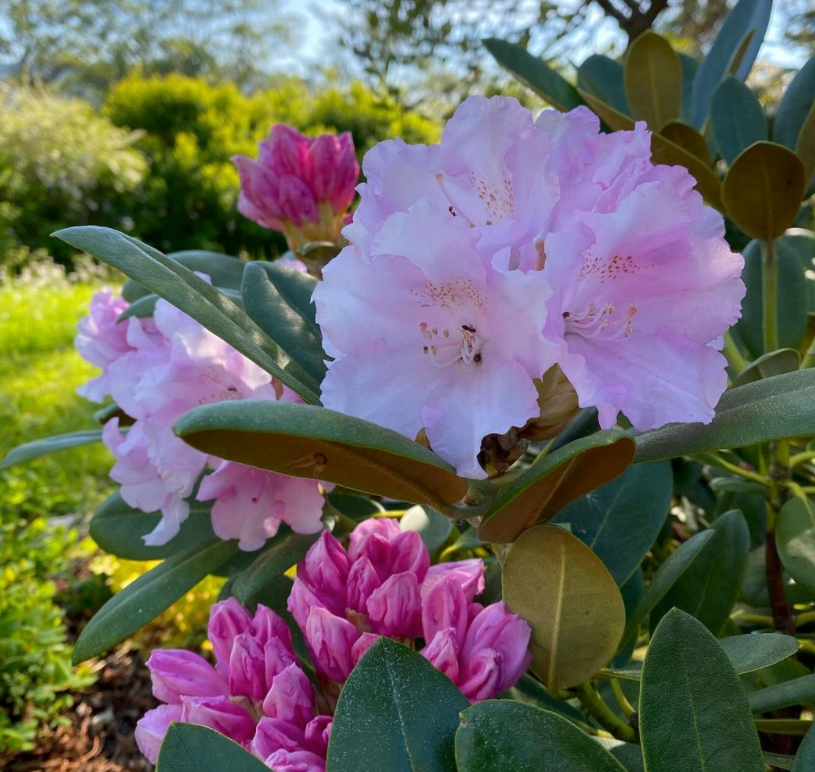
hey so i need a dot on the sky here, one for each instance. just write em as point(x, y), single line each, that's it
point(320, 35)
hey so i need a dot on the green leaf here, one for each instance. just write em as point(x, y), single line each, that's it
point(802, 243)
point(664, 151)
point(665, 577)
point(281, 554)
point(397, 713)
point(792, 298)
point(763, 189)
point(30, 450)
point(149, 595)
point(224, 271)
point(192, 295)
point(535, 74)
point(621, 520)
point(709, 588)
point(779, 760)
point(512, 737)
point(193, 748)
point(799, 691)
point(653, 80)
point(689, 68)
point(795, 107)
point(795, 538)
point(308, 441)
point(805, 149)
point(748, 18)
point(785, 360)
point(771, 409)
point(805, 758)
point(119, 529)
point(541, 491)
point(603, 78)
point(570, 600)
point(747, 653)
point(737, 119)
point(429, 523)
point(693, 712)
point(295, 288)
point(292, 327)
point(145, 306)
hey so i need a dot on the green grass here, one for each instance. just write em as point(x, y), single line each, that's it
point(39, 373)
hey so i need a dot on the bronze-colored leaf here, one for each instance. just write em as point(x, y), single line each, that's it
point(684, 135)
point(555, 481)
point(653, 80)
point(763, 190)
point(570, 600)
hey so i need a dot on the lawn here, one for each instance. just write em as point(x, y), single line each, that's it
point(39, 373)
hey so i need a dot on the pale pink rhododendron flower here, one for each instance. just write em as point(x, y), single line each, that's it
point(299, 185)
point(343, 600)
point(384, 585)
point(167, 365)
point(515, 245)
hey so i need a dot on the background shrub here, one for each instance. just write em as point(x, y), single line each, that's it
point(59, 159)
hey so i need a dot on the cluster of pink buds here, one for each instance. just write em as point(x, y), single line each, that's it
point(299, 185)
point(384, 585)
point(343, 600)
point(257, 694)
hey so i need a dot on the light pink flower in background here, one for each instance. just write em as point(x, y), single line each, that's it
point(514, 245)
point(100, 340)
point(167, 365)
point(299, 185)
point(384, 585)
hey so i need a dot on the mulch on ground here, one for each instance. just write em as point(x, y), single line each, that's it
point(103, 719)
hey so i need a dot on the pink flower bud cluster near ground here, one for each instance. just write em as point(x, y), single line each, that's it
point(343, 600)
point(299, 185)
point(515, 245)
point(156, 369)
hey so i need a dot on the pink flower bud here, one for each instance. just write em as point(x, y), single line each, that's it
point(318, 733)
point(297, 202)
point(220, 714)
point(278, 655)
point(301, 601)
point(227, 620)
point(275, 734)
point(334, 170)
point(494, 631)
point(372, 539)
point(330, 639)
point(290, 697)
point(295, 761)
point(468, 573)
point(365, 641)
point(395, 609)
point(260, 194)
point(247, 668)
point(362, 581)
point(286, 151)
point(442, 653)
point(325, 570)
point(445, 606)
point(178, 673)
point(268, 626)
point(152, 727)
point(409, 553)
point(482, 677)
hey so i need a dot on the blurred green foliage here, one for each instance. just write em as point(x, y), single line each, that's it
point(191, 129)
point(60, 161)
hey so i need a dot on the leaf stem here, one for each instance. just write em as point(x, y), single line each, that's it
point(801, 458)
point(622, 700)
point(769, 295)
point(732, 353)
point(605, 716)
point(714, 459)
point(779, 474)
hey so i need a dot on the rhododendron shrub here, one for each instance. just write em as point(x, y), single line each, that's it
point(498, 453)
